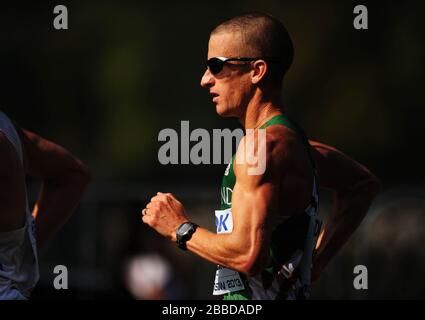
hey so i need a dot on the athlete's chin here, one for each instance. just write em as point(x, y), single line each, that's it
point(223, 111)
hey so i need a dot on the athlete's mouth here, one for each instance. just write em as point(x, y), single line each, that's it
point(214, 96)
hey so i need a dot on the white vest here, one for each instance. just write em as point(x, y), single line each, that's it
point(18, 251)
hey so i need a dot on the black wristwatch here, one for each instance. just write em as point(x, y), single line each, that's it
point(184, 233)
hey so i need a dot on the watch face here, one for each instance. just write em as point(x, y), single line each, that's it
point(184, 228)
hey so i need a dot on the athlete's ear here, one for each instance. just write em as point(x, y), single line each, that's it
point(259, 69)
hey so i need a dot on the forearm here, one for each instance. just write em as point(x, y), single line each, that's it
point(220, 249)
point(244, 249)
point(56, 203)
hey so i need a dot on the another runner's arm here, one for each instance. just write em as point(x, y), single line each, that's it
point(254, 202)
point(354, 187)
point(64, 178)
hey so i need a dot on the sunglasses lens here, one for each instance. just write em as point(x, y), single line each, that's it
point(215, 65)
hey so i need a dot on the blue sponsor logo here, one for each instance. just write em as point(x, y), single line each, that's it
point(221, 223)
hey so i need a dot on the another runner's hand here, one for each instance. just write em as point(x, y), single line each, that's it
point(165, 214)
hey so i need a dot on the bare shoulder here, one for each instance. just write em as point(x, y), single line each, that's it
point(265, 153)
point(282, 141)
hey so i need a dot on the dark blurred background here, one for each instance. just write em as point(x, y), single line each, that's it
point(125, 70)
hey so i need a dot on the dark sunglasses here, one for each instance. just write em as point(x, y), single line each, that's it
point(216, 64)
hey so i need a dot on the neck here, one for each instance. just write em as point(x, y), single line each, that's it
point(260, 109)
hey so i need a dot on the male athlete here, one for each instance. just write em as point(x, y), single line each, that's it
point(64, 179)
point(267, 225)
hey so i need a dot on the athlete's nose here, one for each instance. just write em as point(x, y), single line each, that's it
point(207, 80)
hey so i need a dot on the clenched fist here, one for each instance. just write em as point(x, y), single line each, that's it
point(165, 214)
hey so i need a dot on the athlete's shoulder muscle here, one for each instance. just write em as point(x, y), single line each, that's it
point(273, 151)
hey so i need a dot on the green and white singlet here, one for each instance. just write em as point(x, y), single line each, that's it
point(291, 249)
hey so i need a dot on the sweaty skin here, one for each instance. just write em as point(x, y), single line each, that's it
point(285, 186)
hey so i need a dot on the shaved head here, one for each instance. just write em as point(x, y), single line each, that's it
point(262, 36)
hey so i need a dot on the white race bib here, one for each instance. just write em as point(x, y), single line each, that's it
point(226, 280)
point(224, 221)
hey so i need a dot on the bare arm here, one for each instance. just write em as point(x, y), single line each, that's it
point(64, 178)
point(245, 249)
point(254, 201)
point(354, 188)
